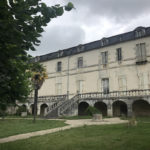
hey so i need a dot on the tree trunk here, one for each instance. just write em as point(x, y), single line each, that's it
point(35, 104)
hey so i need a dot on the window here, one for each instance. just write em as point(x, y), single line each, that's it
point(144, 80)
point(59, 66)
point(122, 83)
point(80, 62)
point(80, 86)
point(105, 85)
point(140, 33)
point(119, 54)
point(141, 81)
point(58, 88)
point(104, 58)
point(141, 52)
point(104, 42)
point(149, 80)
point(80, 48)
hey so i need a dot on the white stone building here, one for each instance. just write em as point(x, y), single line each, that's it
point(112, 74)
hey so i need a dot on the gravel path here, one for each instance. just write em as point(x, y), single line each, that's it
point(71, 124)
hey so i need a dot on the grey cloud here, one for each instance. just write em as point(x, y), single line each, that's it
point(59, 37)
point(92, 20)
point(119, 9)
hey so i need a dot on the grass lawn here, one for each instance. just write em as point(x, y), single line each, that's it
point(104, 137)
point(10, 127)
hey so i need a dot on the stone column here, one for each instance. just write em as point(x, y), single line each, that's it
point(129, 109)
point(109, 109)
point(91, 103)
point(38, 109)
point(28, 108)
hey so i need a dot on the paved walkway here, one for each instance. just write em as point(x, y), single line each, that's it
point(71, 124)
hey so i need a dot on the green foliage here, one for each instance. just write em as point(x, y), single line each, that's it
point(20, 110)
point(69, 6)
point(3, 108)
point(92, 110)
point(21, 24)
point(132, 122)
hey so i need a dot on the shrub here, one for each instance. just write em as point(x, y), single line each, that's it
point(92, 110)
point(20, 110)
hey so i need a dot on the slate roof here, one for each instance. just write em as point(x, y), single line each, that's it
point(94, 45)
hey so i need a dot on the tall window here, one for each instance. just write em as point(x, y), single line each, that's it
point(119, 54)
point(122, 83)
point(59, 66)
point(141, 52)
point(104, 58)
point(105, 85)
point(80, 86)
point(80, 62)
point(141, 81)
point(58, 88)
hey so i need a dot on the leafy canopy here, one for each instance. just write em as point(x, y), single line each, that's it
point(21, 24)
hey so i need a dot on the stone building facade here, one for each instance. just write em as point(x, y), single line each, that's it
point(112, 74)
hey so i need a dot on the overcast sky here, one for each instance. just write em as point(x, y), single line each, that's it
point(92, 20)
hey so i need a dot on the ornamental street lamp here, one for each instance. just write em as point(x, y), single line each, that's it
point(37, 85)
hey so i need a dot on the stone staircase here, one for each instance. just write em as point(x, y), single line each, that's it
point(69, 106)
point(60, 108)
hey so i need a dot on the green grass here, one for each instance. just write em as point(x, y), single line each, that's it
point(10, 127)
point(104, 137)
point(17, 116)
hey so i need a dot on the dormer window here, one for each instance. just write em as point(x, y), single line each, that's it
point(139, 32)
point(104, 42)
point(37, 59)
point(120, 38)
point(80, 48)
point(60, 53)
point(59, 66)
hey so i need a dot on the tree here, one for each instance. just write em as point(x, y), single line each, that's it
point(21, 24)
point(39, 75)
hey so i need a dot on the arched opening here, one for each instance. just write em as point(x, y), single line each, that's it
point(141, 108)
point(102, 107)
point(82, 109)
point(24, 107)
point(32, 109)
point(43, 109)
point(119, 109)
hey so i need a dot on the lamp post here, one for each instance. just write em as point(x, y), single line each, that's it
point(38, 77)
point(37, 84)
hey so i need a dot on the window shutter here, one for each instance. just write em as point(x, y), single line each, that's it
point(143, 51)
point(102, 54)
point(120, 84)
point(141, 81)
point(105, 84)
point(138, 53)
point(124, 84)
point(106, 57)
